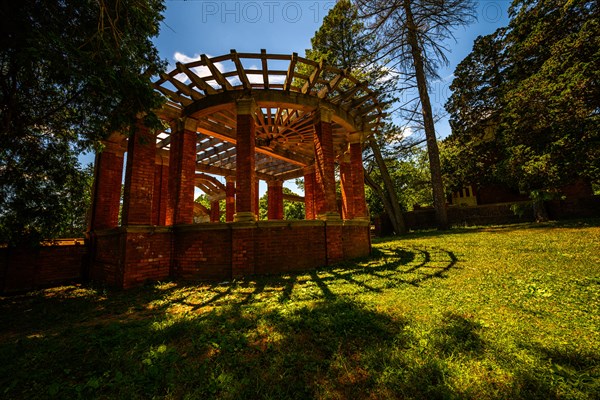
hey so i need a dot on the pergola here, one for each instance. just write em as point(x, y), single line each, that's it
point(245, 117)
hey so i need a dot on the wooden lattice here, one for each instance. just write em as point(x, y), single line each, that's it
point(286, 103)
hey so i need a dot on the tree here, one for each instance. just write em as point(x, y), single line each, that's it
point(412, 33)
point(410, 175)
point(341, 42)
point(70, 74)
point(525, 102)
point(469, 155)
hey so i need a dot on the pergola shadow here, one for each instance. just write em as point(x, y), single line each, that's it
point(387, 269)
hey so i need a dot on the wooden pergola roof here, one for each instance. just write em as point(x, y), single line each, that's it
point(286, 102)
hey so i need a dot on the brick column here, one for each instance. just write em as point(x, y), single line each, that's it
point(229, 198)
point(347, 188)
point(358, 182)
point(107, 187)
point(275, 200)
point(139, 176)
point(160, 198)
point(182, 170)
point(326, 204)
point(257, 199)
point(215, 211)
point(309, 192)
point(245, 162)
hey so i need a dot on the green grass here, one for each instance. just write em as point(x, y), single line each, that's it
point(504, 312)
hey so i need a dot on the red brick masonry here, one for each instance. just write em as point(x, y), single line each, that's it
point(129, 256)
point(51, 264)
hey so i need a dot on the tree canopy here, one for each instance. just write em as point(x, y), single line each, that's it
point(70, 74)
point(525, 108)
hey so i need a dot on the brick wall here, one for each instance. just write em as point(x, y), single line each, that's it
point(106, 265)
point(51, 264)
point(130, 256)
point(201, 253)
point(479, 215)
point(356, 240)
point(147, 255)
point(289, 246)
point(582, 207)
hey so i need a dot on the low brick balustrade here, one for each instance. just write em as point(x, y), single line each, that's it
point(129, 256)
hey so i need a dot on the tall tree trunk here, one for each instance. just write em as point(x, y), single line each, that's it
point(388, 196)
point(439, 198)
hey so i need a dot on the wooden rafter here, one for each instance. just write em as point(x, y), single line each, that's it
point(240, 70)
point(196, 80)
point(312, 80)
point(182, 87)
point(221, 80)
point(290, 72)
point(265, 68)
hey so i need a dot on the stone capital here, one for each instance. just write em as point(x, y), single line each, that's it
point(245, 216)
point(323, 114)
point(184, 124)
point(329, 216)
point(309, 169)
point(275, 183)
point(358, 137)
point(245, 106)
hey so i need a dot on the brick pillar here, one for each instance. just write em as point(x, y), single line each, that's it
point(347, 188)
point(182, 170)
point(229, 198)
point(257, 199)
point(215, 211)
point(309, 192)
point(160, 198)
point(139, 176)
point(275, 200)
point(326, 204)
point(107, 187)
point(358, 182)
point(245, 162)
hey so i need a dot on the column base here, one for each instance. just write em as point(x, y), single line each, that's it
point(246, 216)
point(329, 216)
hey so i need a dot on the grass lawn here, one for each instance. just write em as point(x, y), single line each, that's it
point(505, 312)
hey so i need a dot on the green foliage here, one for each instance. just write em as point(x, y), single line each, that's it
point(76, 73)
point(525, 102)
point(505, 312)
point(292, 210)
point(411, 179)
